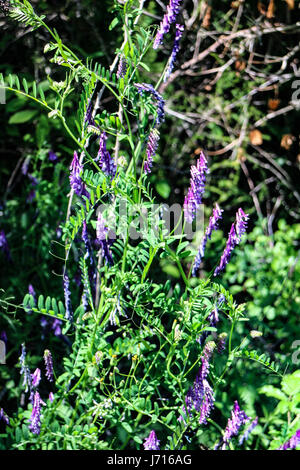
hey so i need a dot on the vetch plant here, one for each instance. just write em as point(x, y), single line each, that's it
point(143, 363)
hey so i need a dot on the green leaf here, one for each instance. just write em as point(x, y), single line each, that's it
point(113, 24)
point(145, 66)
point(22, 116)
point(163, 188)
point(273, 392)
point(291, 383)
point(41, 302)
point(127, 427)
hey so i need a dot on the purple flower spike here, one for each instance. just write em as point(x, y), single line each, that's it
point(248, 431)
point(172, 60)
point(35, 418)
point(25, 166)
point(151, 149)
point(193, 198)
point(75, 180)
point(151, 443)
point(87, 243)
point(122, 67)
point(200, 394)
point(51, 397)
point(212, 225)
point(4, 245)
point(88, 118)
point(102, 231)
point(157, 98)
point(241, 223)
point(221, 342)
point(234, 238)
point(67, 293)
point(230, 245)
point(25, 371)
point(36, 378)
point(292, 443)
point(237, 420)
point(106, 162)
point(206, 356)
point(48, 365)
point(169, 18)
point(4, 417)
point(207, 402)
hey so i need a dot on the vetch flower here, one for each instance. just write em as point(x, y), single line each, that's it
point(98, 357)
point(234, 238)
point(25, 371)
point(4, 244)
point(56, 327)
point(207, 402)
point(237, 420)
point(51, 397)
point(170, 17)
point(122, 67)
point(178, 36)
point(212, 225)
point(213, 317)
point(200, 395)
point(75, 180)
point(106, 162)
point(87, 243)
point(248, 431)
point(67, 294)
point(48, 365)
point(88, 118)
point(52, 156)
point(221, 342)
point(4, 417)
point(241, 223)
point(193, 198)
point(159, 102)
point(35, 418)
point(152, 145)
point(52, 324)
point(292, 443)
point(119, 309)
point(25, 166)
point(151, 443)
point(36, 378)
point(86, 296)
point(206, 356)
point(101, 232)
point(101, 229)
